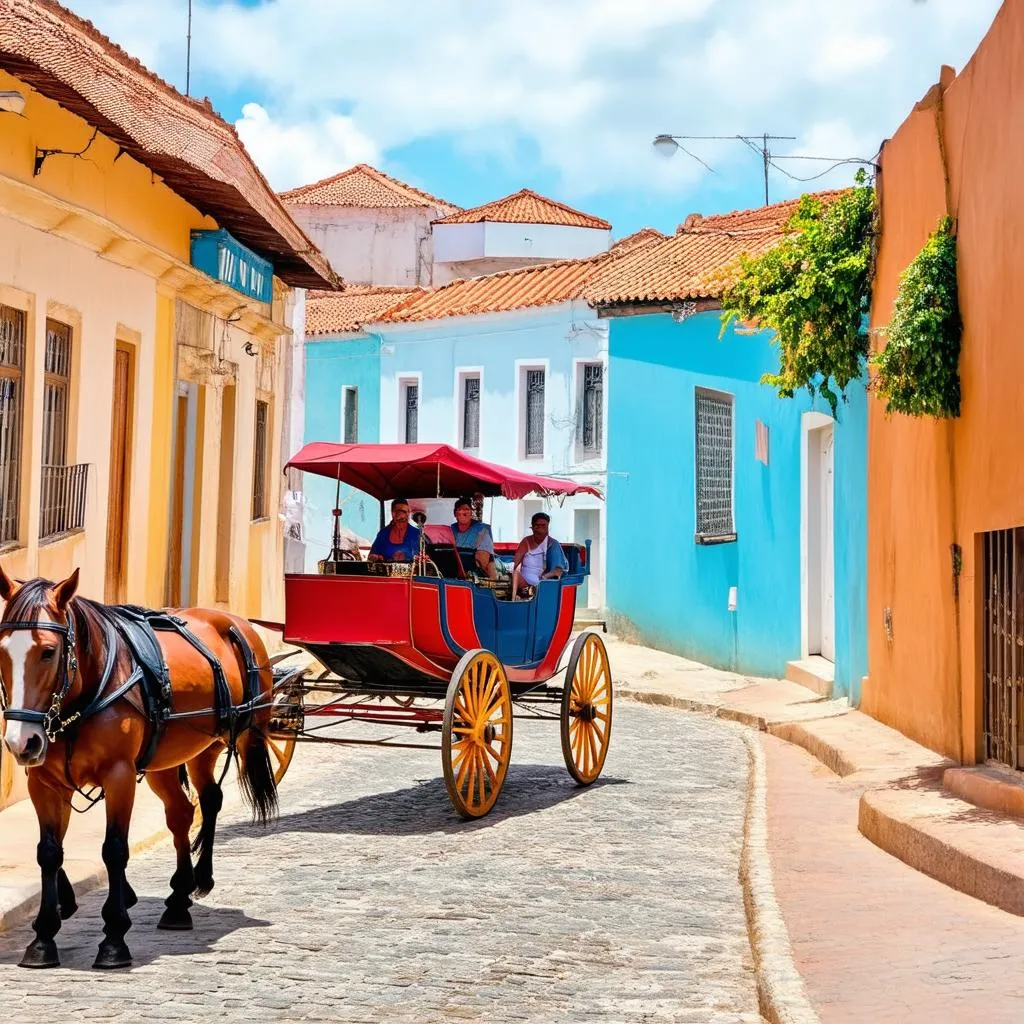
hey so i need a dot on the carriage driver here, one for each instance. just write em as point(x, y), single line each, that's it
point(475, 537)
point(398, 542)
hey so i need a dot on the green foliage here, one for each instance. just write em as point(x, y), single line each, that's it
point(918, 368)
point(813, 290)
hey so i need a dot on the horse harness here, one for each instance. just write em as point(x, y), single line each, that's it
point(138, 628)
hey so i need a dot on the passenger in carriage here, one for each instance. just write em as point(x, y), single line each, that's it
point(398, 542)
point(538, 557)
point(475, 537)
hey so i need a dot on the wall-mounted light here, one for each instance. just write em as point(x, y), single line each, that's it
point(11, 102)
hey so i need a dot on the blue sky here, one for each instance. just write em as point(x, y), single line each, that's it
point(472, 101)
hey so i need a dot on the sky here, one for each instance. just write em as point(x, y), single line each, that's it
point(473, 100)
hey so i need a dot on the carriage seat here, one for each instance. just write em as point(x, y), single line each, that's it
point(441, 547)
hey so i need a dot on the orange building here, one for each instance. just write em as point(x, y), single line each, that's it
point(946, 498)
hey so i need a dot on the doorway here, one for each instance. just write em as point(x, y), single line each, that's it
point(587, 526)
point(819, 527)
point(120, 469)
point(183, 486)
point(226, 493)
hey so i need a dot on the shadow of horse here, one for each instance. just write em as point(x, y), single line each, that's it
point(77, 939)
point(424, 808)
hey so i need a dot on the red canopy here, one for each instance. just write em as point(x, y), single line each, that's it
point(423, 471)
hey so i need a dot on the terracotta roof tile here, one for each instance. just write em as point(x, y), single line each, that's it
point(342, 312)
point(198, 155)
point(365, 187)
point(645, 236)
point(527, 207)
point(698, 262)
point(541, 285)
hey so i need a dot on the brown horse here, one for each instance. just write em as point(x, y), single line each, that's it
point(75, 719)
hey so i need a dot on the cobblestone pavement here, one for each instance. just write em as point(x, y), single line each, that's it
point(369, 900)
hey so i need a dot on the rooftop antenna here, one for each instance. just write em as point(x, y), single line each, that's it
point(668, 144)
point(188, 51)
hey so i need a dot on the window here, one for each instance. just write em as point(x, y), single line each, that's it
point(350, 415)
point(12, 365)
point(471, 411)
point(592, 418)
point(259, 469)
point(411, 411)
point(56, 378)
point(534, 408)
point(714, 466)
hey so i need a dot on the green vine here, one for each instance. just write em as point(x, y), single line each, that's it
point(918, 368)
point(813, 290)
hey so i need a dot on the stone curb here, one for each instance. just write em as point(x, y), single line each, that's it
point(781, 994)
point(702, 707)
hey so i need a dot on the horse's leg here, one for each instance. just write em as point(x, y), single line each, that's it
point(202, 771)
point(65, 891)
point(178, 812)
point(119, 788)
point(53, 811)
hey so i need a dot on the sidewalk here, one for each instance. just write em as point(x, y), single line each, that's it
point(873, 939)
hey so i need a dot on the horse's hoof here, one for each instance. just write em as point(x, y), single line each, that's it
point(112, 956)
point(41, 954)
point(175, 921)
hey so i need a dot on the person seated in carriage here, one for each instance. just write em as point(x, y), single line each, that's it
point(538, 557)
point(476, 537)
point(397, 542)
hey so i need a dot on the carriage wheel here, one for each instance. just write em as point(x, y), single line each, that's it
point(285, 725)
point(587, 709)
point(476, 741)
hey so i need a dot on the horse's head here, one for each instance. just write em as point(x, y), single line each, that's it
point(37, 657)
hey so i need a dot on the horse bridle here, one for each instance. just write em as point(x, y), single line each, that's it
point(51, 721)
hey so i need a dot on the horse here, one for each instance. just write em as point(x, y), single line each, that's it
point(75, 717)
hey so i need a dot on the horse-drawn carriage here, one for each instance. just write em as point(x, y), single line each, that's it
point(398, 638)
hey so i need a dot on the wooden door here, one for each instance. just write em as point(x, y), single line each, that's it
point(120, 462)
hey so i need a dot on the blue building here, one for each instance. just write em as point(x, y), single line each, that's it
point(736, 519)
point(342, 403)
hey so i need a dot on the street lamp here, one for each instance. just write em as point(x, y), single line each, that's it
point(11, 102)
point(665, 145)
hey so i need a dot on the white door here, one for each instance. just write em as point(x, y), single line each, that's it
point(828, 555)
point(587, 526)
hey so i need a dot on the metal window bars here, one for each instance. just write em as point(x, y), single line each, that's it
point(471, 412)
point(259, 469)
point(714, 466)
point(1003, 646)
point(593, 408)
point(62, 497)
point(56, 378)
point(412, 413)
point(534, 412)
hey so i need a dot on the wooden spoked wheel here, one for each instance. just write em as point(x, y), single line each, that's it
point(587, 709)
point(476, 740)
point(285, 725)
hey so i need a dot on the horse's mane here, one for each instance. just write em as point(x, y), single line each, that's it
point(90, 616)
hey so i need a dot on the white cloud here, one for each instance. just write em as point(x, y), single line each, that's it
point(587, 82)
point(297, 153)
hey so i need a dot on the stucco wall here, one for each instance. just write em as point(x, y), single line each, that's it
point(378, 247)
point(332, 364)
point(499, 345)
point(675, 592)
point(919, 681)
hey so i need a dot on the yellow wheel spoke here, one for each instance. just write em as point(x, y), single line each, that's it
point(483, 778)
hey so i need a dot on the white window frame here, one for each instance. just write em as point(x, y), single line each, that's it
point(522, 366)
point(699, 536)
point(403, 381)
point(579, 376)
point(346, 390)
point(459, 431)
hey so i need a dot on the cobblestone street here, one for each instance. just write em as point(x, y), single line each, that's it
point(370, 901)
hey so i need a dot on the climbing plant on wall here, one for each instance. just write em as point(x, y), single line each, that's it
point(813, 290)
point(918, 369)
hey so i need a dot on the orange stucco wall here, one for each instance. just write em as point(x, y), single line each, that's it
point(930, 483)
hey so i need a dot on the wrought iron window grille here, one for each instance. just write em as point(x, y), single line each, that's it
point(714, 468)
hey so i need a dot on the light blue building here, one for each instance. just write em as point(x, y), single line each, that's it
point(736, 519)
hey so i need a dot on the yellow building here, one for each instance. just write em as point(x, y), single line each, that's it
point(147, 291)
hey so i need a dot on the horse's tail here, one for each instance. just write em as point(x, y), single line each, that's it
point(256, 777)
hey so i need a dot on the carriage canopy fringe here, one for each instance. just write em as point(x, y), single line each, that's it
point(424, 471)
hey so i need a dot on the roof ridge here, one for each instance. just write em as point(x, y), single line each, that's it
point(402, 187)
point(495, 204)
